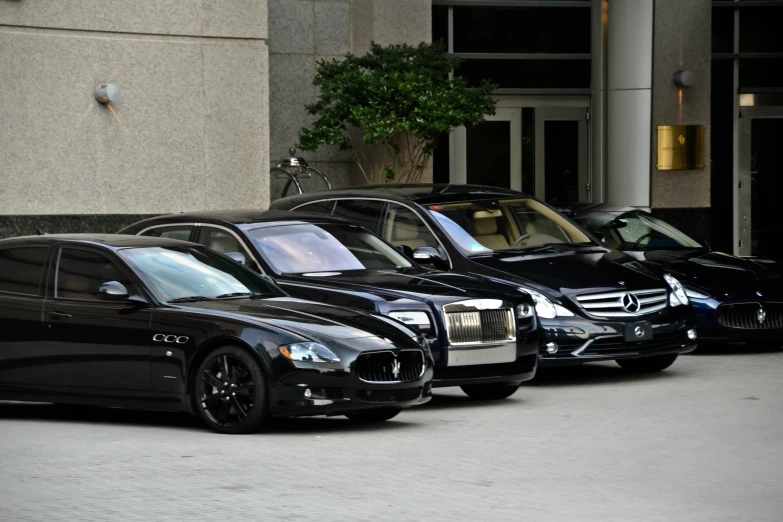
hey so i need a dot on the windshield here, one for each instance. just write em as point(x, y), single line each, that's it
point(638, 231)
point(324, 249)
point(179, 273)
point(486, 226)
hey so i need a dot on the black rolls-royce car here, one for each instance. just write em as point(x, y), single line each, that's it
point(594, 303)
point(156, 323)
point(483, 335)
point(735, 298)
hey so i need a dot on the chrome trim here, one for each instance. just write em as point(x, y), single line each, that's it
point(630, 303)
point(470, 310)
point(412, 209)
point(423, 364)
point(202, 225)
point(476, 354)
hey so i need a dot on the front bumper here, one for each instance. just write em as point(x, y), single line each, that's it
point(580, 340)
point(340, 392)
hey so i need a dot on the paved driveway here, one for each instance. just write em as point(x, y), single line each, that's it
point(702, 441)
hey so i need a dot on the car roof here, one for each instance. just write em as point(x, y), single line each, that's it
point(422, 193)
point(112, 241)
point(590, 208)
point(240, 217)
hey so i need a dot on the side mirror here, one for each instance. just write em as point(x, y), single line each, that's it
point(405, 250)
point(268, 279)
point(236, 256)
point(428, 256)
point(703, 242)
point(113, 291)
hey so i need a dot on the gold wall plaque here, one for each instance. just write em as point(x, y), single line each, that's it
point(680, 147)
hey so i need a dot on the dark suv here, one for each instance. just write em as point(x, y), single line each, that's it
point(595, 303)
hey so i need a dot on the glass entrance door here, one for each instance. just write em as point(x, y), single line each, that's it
point(760, 182)
point(540, 150)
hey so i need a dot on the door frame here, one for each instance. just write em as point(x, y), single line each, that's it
point(509, 108)
point(742, 175)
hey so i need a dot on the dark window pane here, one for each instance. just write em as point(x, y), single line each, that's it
point(440, 24)
point(21, 269)
point(521, 30)
point(181, 233)
point(528, 74)
point(760, 30)
point(722, 180)
point(488, 152)
point(722, 30)
point(319, 207)
point(440, 160)
point(561, 161)
point(529, 150)
point(80, 274)
point(761, 73)
point(362, 212)
point(403, 227)
point(766, 184)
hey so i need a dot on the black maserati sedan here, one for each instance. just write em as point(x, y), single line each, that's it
point(483, 335)
point(155, 323)
point(594, 303)
point(735, 298)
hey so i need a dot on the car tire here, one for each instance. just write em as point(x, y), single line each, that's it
point(230, 391)
point(652, 364)
point(377, 415)
point(490, 392)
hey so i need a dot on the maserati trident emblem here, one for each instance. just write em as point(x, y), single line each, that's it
point(638, 331)
point(761, 315)
point(631, 303)
point(395, 368)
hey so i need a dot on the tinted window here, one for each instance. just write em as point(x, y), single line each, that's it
point(21, 269)
point(403, 227)
point(182, 233)
point(224, 242)
point(311, 248)
point(81, 273)
point(319, 207)
point(362, 212)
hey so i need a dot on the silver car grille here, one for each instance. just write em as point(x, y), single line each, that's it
point(479, 326)
point(624, 304)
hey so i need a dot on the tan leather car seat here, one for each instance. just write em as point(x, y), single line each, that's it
point(486, 233)
point(223, 243)
point(406, 234)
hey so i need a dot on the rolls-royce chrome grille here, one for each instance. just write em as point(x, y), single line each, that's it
point(482, 321)
point(386, 366)
point(624, 304)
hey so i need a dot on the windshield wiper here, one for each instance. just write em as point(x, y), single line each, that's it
point(239, 294)
point(191, 299)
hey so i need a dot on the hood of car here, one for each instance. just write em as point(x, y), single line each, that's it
point(420, 285)
point(313, 320)
point(573, 272)
point(719, 274)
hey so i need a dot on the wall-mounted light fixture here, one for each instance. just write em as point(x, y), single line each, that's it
point(684, 78)
point(107, 93)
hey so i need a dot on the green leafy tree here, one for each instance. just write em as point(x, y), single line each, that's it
point(389, 106)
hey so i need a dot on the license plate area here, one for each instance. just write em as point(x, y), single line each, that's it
point(639, 331)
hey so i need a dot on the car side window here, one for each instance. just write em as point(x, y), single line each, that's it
point(177, 232)
point(81, 273)
point(319, 207)
point(21, 269)
point(402, 227)
point(224, 242)
point(363, 212)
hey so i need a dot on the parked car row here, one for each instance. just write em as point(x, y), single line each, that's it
point(352, 302)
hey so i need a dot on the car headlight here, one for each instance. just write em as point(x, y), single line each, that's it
point(677, 297)
point(546, 308)
point(308, 352)
point(695, 294)
point(418, 320)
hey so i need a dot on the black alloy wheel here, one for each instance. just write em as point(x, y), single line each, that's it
point(230, 391)
point(653, 364)
point(490, 392)
point(375, 415)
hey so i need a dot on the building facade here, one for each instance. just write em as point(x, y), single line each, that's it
point(213, 93)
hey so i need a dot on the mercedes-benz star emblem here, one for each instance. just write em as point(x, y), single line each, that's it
point(395, 369)
point(638, 331)
point(761, 315)
point(631, 303)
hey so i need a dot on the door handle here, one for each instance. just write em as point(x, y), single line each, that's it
point(59, 315)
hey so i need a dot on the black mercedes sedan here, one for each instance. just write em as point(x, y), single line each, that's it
point(483, 335)
point(594, 303)
point(155, 323)
point(735, 298)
